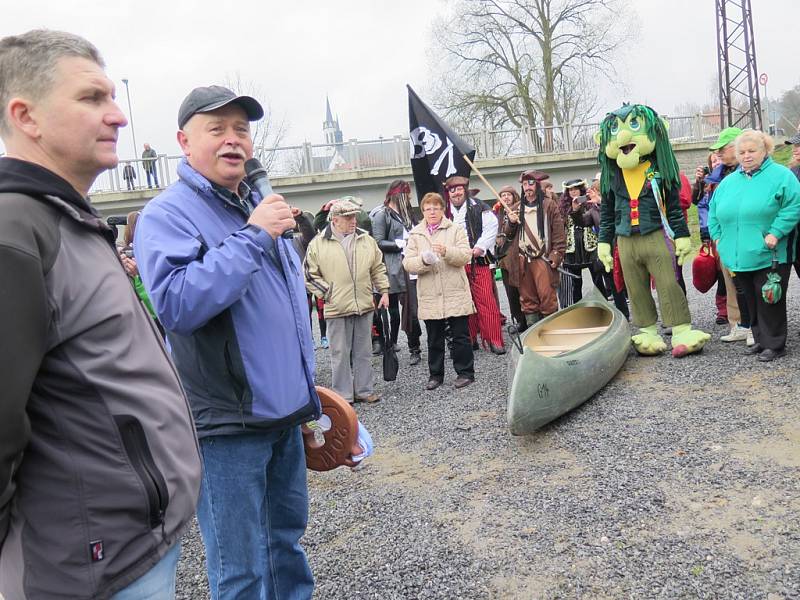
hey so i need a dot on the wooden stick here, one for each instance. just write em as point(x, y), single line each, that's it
point(491, 187)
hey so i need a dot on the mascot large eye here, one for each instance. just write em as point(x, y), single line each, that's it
point(615, 128)
point(634, 124)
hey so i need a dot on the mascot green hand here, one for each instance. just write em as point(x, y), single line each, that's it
point(683, 246)
point(640, 182)
point(604, 254)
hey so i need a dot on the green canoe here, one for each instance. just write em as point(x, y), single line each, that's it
point(565, 359)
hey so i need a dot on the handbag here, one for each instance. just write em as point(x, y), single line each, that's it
point(771, 291)
point(390, 362)
point(704, 268)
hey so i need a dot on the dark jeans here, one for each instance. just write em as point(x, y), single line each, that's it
point(463, 360)
point(253, 510)
point(721, 291)
point(410, 321)
point(514, 306)
point(620, 298)
point(151, 172)
point(745, 311)
point(767, 321)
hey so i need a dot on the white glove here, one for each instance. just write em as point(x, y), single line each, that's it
point(400, 243)
point(429, 257)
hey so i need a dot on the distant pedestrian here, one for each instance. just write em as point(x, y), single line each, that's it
point(149, 157)
point(129, 174)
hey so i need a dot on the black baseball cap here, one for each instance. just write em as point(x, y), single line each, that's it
point(206, 99)
point(795, 139)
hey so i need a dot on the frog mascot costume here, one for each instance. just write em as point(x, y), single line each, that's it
point(641, 209)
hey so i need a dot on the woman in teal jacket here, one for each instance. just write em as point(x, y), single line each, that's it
point(753, 219)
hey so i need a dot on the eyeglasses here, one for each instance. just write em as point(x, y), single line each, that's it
point(453, 188)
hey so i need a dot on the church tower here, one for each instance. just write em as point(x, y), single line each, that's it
point(333, 135)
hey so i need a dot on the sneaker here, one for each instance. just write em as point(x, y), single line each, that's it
point(323, 343)
point(750, 339)
point(737, 334)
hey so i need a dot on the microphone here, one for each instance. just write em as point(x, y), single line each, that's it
point(258, 178)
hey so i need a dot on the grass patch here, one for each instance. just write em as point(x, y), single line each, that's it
point(783, 154)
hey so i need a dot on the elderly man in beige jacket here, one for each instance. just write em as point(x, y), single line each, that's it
point(343, 265)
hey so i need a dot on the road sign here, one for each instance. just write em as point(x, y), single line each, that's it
point(762, 79)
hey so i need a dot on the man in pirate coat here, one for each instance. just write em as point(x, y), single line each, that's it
point(537, 248)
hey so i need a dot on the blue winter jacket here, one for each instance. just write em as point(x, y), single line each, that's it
point(236, 323)
point(712, 179)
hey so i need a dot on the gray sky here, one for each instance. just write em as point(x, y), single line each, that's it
point(361, 54)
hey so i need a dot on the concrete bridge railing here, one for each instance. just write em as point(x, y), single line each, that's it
point(386, 153)
point(310, 191)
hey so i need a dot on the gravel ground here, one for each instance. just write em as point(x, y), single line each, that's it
point(678, 480)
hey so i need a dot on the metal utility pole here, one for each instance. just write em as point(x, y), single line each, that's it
point(739, 101)
point(133, 129)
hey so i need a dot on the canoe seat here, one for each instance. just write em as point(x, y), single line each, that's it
point(600, 329)
point(549, 348)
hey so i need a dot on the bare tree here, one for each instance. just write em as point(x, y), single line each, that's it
point(269, 132)
point(525, 63)
point(789, 107)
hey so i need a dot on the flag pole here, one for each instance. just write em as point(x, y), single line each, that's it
point(499, 199)
point(491, 187)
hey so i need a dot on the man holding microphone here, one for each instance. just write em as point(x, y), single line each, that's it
point(230, 293)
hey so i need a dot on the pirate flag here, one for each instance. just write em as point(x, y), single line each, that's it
point(436, 151)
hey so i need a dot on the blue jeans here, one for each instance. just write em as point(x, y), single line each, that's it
point(253, 510)
point(158, 583)
point(151, 173)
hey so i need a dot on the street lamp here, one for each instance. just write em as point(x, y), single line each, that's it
point(133, 129)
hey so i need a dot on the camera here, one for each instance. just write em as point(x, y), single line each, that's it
point(117, 220)
point(706, 170)
point(580, 199)
point(127, 251)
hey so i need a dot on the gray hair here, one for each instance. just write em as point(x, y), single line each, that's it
point(759, 138)
point(28, 64)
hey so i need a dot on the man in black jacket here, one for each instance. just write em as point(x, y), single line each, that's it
point(99, 464)
point(480, 223)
